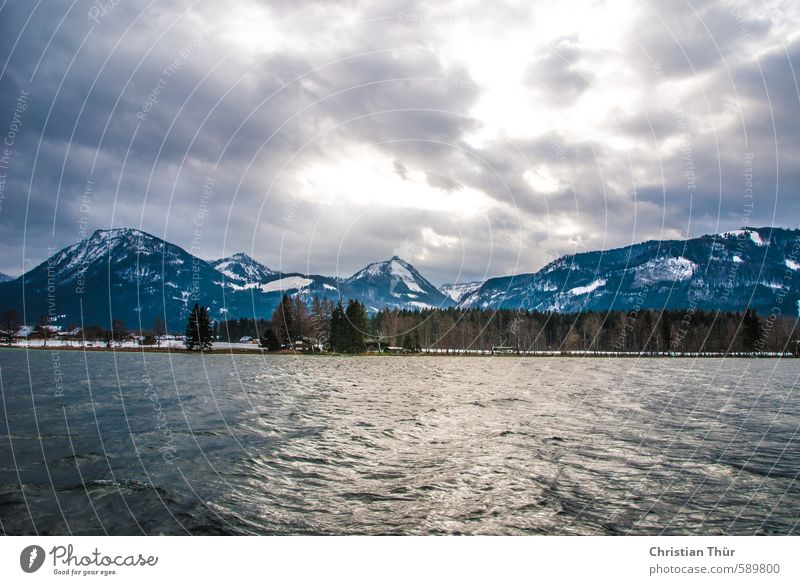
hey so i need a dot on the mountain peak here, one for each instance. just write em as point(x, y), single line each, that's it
point(116, 233)
point(459, 290)
point(242, 267)
point(395, 282)
point(237, 257)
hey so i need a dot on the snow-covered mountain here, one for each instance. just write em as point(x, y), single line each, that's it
point(459, 290)
point(133, 276)
point(5, 277)
point(122, 274)
point(241, 269)
point(130, 275)
point(394, 283)
point(731, 271)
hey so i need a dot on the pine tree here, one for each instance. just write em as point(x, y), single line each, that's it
point(751, 327)
point(192, 337)
point(198, 329)
point(204, 329)
point(338, 334)
point(356, 317)
point(269, 341)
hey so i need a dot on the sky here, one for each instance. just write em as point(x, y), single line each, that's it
point(472, 139)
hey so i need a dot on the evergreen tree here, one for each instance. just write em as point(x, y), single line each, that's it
point(751, 327)
point(204, 327)
point(338, 333)
point(269, 341)
point(357, 323)
point(198, 329)
point(192, 336)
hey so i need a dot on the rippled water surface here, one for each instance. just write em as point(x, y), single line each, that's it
point(238, 444)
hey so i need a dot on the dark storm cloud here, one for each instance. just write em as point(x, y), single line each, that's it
point(689, 38)
point(135, 109)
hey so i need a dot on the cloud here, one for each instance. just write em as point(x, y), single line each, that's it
point(479, 140)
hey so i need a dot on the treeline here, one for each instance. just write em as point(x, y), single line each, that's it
point(350, 329)
point(346, 327)
point(324, 326)
point(643, 331)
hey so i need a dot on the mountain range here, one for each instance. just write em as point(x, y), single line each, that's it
point(133, 276)
point(751, 267)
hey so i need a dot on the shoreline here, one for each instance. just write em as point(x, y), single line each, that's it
point(429, 353)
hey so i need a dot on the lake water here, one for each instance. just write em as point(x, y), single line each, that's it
point(238, 444)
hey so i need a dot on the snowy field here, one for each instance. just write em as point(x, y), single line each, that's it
point(171, 344)
point(224, 346)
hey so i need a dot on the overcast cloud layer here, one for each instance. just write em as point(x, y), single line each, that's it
point(473, 139)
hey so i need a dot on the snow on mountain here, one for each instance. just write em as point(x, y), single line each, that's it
point(725, 271)
point(119, 274)
point(394, 283)
point(5, 277)
point(459, 290)
point(133, 256)
point(664, 269)
point(753, 233)
point(129, 275)
point(585, 290)
point(287, 284)
point(242, 269)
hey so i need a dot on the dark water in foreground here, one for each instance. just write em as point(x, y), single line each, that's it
point(397, 445)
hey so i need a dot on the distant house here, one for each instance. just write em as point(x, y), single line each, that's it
point(303, 344)
point(393, 349)
point(67, 335)
point(24, 332)
point(504, 349)
point(70, 334)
